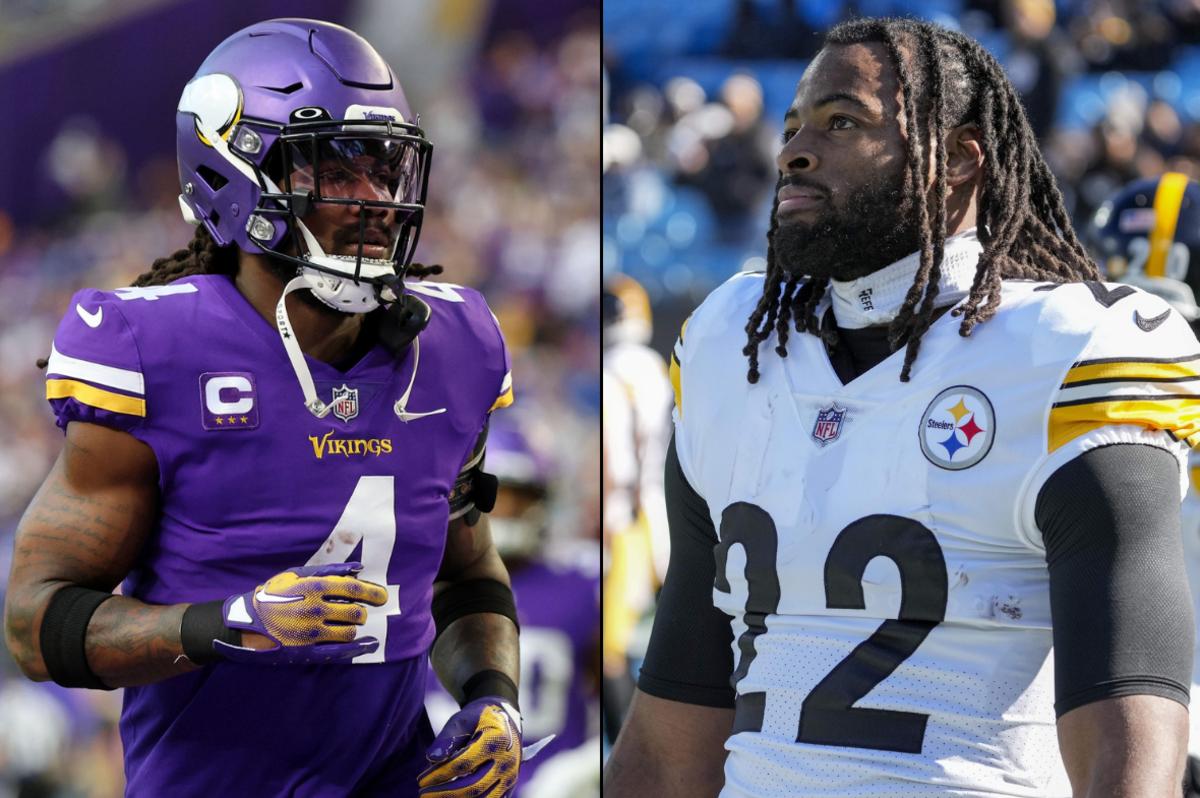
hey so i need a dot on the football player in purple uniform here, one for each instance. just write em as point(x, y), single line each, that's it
point(557, 587)
point(273, 445)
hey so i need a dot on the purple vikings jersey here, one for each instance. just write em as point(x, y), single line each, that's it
point(558, 607)
point(252, 484)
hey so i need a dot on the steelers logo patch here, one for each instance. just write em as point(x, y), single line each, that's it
point(958, 427)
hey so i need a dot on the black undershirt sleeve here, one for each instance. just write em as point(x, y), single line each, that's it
point(690, 656)
point(1119, 597)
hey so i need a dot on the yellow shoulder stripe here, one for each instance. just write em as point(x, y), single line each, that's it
point(1179, 416)
point(1134, 370)
point(503, 400)
point(674, 372)
point(96, 397)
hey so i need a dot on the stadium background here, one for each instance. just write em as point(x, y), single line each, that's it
point(508, 91)
point(696, 93)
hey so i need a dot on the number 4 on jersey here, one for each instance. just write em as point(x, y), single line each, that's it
point(370, 517)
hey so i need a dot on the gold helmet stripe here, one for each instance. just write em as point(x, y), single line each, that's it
point(1167, 199)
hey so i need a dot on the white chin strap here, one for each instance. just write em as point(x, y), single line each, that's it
point(311, 401)
point(292, 347)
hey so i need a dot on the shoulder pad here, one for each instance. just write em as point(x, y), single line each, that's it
point(1141, 366)
point(469, 311)
point(722, 314)
point(95, 370)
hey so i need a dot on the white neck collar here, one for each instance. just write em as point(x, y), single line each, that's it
point(876, 298)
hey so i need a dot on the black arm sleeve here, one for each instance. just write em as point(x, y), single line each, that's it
point(1119, 596)
point(690, 656)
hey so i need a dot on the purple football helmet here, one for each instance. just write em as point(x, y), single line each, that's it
point(522, 469)
point(290, 115)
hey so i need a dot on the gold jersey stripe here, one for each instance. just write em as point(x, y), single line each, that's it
point(1167, 199)
point(1132, 370)
point(1179, 416)
point(503, 400)
point(674, 373)
point(96, 397)
point(675, 386)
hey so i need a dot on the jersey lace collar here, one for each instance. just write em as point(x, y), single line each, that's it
point(876, 298)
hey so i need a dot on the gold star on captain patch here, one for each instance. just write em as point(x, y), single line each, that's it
point(958, 411)
point(245, 420)
point(231, 420)
point(220, 420)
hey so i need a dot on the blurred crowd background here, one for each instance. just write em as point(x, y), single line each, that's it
point(509, 91)
point(695, 95)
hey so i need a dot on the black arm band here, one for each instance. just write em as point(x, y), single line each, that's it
point(1119, 599)
point(487, 683)
point(202, 624)
point(63, 636)
point(470, 597)
point(686, 619)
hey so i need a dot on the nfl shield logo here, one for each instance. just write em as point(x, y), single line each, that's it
point(345, 402)
point(829, 424)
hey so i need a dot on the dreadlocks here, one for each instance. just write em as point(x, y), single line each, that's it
point(202, 255)
point(946, 79)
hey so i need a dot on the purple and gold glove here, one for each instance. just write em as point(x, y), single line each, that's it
point(478, 752)
point(311, 614)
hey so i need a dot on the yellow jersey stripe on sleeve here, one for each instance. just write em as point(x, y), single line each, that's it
point(1179, 416)
point(503, 400)
point(95, 397)
point(674, 370)
point(1133, 369)
point(674, 374)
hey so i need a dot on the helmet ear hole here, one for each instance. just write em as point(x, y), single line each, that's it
point(209, 175)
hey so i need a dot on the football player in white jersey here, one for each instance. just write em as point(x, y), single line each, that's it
point(1148, 235)
point(952, 571)
point(637, 429)
point(643, 376)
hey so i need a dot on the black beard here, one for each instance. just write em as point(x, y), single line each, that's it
point(877, 227)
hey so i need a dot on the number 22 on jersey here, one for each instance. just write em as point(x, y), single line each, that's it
point(828, 715)
point(370, 517)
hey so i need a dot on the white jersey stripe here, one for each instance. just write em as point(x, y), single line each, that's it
point(108, 376)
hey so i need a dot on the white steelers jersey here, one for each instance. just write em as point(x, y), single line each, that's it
point(878, 551)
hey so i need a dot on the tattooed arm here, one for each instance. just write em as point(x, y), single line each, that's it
point(85, 527)
point(480, 641)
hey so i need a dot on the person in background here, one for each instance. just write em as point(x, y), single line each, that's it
point(556, 582)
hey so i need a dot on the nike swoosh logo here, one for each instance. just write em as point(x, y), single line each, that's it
point(90, 319)
point(270, 598)
point(406, 416)
point(1152, 324)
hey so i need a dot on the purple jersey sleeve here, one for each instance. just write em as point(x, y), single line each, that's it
point(95, 372)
